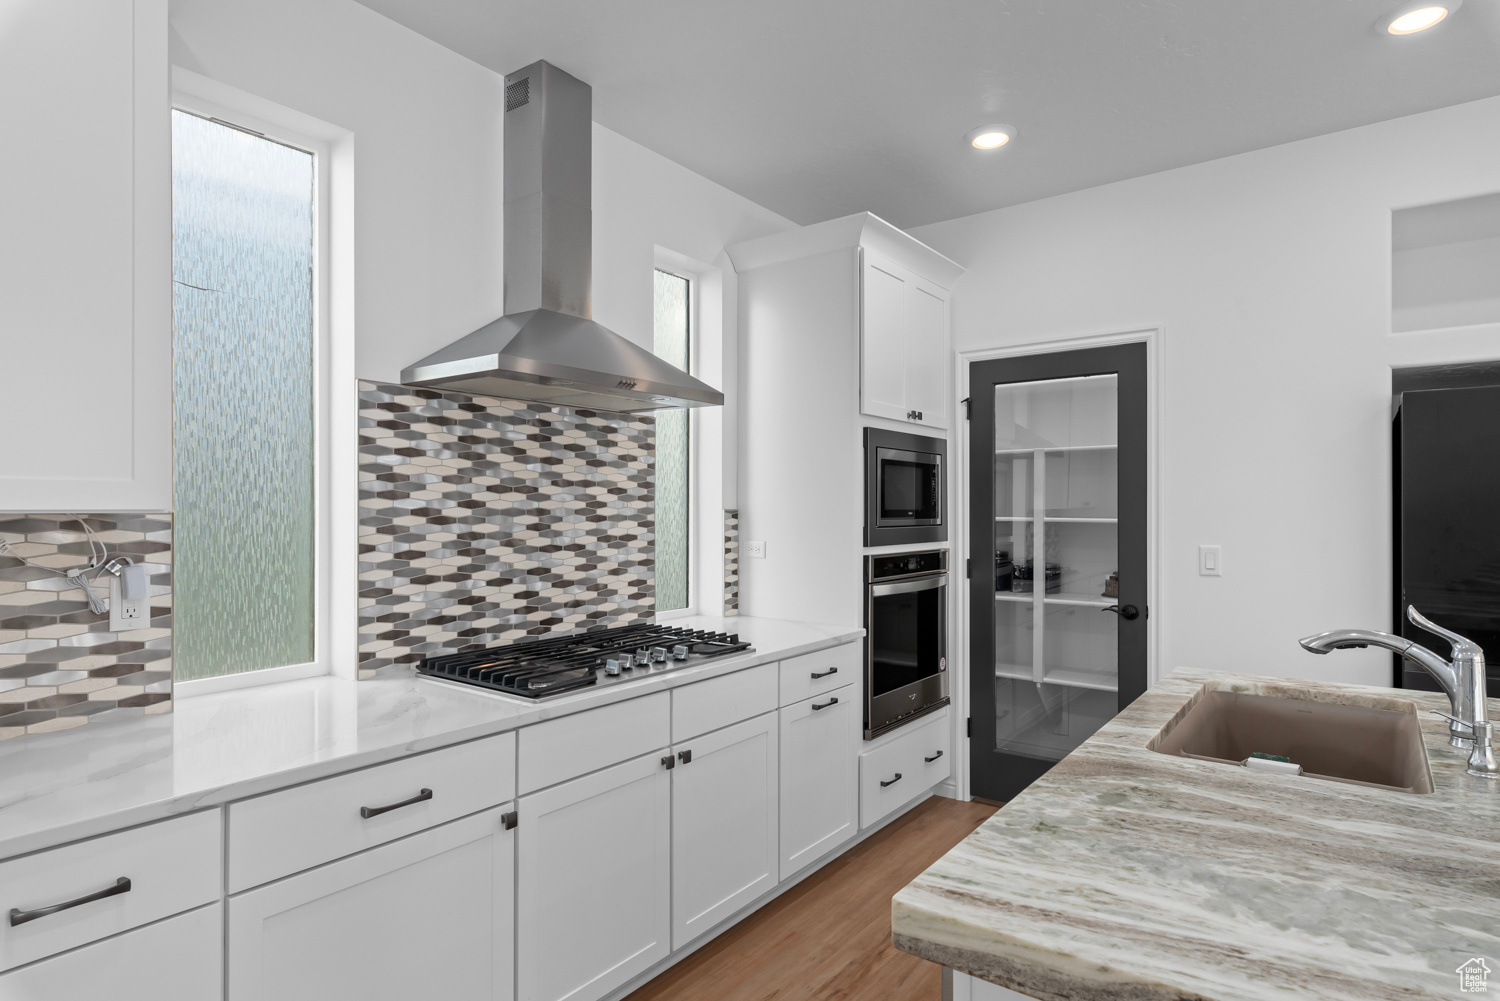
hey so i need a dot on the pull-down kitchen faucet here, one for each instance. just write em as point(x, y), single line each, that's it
point(1462, 680)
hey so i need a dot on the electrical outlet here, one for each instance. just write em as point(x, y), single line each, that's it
point(125, 615)
point(755, 550)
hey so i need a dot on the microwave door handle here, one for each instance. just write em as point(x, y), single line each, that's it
point(908, 586)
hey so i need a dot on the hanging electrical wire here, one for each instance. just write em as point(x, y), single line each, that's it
point(79, 576)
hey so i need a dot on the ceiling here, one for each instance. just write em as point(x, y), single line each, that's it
point(819, 109)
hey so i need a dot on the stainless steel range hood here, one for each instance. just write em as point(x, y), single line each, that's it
point(546, 349)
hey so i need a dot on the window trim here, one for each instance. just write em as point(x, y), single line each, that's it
point(331, 336)
point(690, 276)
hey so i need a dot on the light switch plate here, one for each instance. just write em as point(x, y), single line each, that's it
point(126, 615)
point(1210, 561)
point(755, 550)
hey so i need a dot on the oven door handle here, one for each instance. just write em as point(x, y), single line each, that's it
point(908, 586)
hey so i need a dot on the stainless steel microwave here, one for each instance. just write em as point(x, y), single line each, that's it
point(905, 491)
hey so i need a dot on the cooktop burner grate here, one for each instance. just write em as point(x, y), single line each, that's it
point(540, 668)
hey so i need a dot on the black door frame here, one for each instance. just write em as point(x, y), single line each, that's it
point(1132, 360)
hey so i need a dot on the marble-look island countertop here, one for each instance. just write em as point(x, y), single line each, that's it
point(212, 749)
point(1124, 873)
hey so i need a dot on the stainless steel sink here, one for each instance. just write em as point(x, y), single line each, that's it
point(1341, 743)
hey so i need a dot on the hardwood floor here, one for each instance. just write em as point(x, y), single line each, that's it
point(829, 937)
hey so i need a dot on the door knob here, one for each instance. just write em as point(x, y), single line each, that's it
point(1127, 612)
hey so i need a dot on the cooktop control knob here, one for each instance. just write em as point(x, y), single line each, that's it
point(612, 667)
point(658, 654)
point(679, 652)
point(643, 656)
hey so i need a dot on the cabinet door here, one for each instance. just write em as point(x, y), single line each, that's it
point(429, 916)
point(86, 256)
point(928, 369)
point(882, 352)
point(179, 959)
point(593, 891)
point(819, 777)
point(724, 831)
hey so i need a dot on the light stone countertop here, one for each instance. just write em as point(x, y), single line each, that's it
point(1124, 873)
point(212, 749)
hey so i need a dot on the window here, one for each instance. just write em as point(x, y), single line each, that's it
point(672, 342)
point(245, 359)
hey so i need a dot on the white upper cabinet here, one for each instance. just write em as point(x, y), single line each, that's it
point(904, 345)
point(903, 349)
point(86, 256)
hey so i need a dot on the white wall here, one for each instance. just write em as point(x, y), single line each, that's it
point(428, 140)
point(1269, 274)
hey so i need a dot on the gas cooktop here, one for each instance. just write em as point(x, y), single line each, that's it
point(539, 669)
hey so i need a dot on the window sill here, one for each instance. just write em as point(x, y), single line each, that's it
point(245, 679)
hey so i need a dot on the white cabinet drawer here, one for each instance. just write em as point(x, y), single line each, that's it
point(179, 959)
point(170, 866)
point(815, 673)
point(285, 832)
point(709, 705)
point(562, 749)
point(895, 773)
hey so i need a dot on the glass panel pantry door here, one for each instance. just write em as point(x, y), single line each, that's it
point(1059, 512)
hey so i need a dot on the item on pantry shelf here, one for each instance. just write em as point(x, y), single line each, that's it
point(1021, 579)
point(1002, 571)
point(1112, 585)
point(1053, 578)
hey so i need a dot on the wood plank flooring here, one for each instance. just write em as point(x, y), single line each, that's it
point(829, 937)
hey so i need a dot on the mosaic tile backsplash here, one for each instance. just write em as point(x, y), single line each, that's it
point(731, 562)
point(60, 666)
point(487, 521)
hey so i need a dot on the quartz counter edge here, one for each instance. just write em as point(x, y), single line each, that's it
point(212, 749)
point(1124, 873)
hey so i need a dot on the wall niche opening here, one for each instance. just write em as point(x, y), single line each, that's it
point(1445, 264)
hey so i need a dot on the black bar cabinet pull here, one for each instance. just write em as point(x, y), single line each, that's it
point(669, 762)
point(824, 674)
point(374, 811)
point(20, 917)
point(892, 781)
point(685, 756)
point(933, 758)
point(832, 701)
point(510, 820)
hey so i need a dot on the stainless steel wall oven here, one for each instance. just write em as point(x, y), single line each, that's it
point(906, 638)
point(905, 495)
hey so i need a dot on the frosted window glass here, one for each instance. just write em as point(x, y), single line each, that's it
point(671, 344)
point(243, 422)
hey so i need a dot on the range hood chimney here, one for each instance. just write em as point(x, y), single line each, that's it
point(546, 348)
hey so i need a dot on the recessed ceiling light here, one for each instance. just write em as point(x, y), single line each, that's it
point(1414, 17)
point(991, 136)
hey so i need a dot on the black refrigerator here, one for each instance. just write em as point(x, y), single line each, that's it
point(1446, 452)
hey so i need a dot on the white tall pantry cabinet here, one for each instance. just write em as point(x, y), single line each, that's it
point(86, 262)
point(843, 325)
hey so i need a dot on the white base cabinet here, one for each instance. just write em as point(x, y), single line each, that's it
point(179, 959)
point(593, 893)
point(819, 810)
point(724, 824)
point(904, 766)
point(429, 916)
